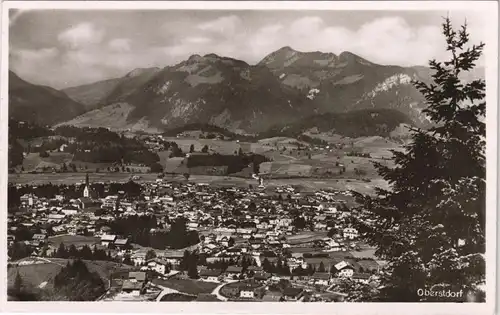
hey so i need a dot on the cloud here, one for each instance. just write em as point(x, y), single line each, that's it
point(36, 55)
point(306, 26)
point(226, 25)
point(120, 44)
point(80, 54)
point(81, 35)
point(197, 40)
point(15, 14)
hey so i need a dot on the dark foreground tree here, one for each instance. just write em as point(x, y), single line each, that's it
point(430, 226)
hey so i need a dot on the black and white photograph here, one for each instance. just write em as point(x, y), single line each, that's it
point(328, 155)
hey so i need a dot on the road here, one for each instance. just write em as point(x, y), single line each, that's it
point(164, 292)
point(217, 290)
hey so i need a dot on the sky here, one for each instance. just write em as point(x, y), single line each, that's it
point(64, 48)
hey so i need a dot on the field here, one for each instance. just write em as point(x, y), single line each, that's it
point(41, 275)
point(187, 286)
point(34, 275)
point(218, 146)
point(305, 237)
point(33, 161)
point(303, 184)
point(77, 240)
point(177, 297)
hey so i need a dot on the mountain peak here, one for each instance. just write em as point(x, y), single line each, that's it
point(348, 56)
point(140, 71)
point(287, 49)
point(212, 56)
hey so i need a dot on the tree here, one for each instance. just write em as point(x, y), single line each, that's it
point(44, 154)
point(252, 207)
point(191, 148)
point(184, 263)
point(156, 168)
point(150, 254)
point(204, 149)
point(186, 176)
point(299, 223)
point(73, 252)
point(266, 265)
point(240, 152)
point(193, 267)
point(18, 283)
point(430, 225)
point(332, 232)
point(61, 251)
point(321, 267)
point(127, 260)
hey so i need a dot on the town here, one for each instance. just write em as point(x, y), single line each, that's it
point(186, 241)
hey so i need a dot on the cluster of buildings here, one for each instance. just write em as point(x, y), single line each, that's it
point(310, 234)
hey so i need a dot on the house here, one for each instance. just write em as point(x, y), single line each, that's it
point(211, 275)
point(132, 287)
point(137, 276)
point(292, 294)
point(361, 277)
point(69, 211)
point(158, 265)
point(262, 276)
point(138, 258)
point(247, 293)
point(344, 269)
point(350, 233)
point(121, 243)
point(321, 278)
point(59, 229)
point(173, 257)
point(233, 271)
point(55, 218)
point(38, 239)
point(106, 240)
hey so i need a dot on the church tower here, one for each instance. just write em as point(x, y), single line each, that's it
point(86, 190)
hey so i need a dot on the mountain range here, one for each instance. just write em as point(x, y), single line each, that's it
point(41, 104)
point(284, 87)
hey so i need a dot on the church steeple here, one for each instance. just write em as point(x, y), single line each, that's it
point(86, 190)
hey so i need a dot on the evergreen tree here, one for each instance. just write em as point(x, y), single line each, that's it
point(184, 264)
point(150, 254)
point(192, 269)
point(321, 267)
point(86, 253)
point(191, 148)
point(266, 265)
point(18, 283)
point(430, 225)
point(61, 251)
point(73, 252)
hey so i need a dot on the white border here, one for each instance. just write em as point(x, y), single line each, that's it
point(489, 10)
